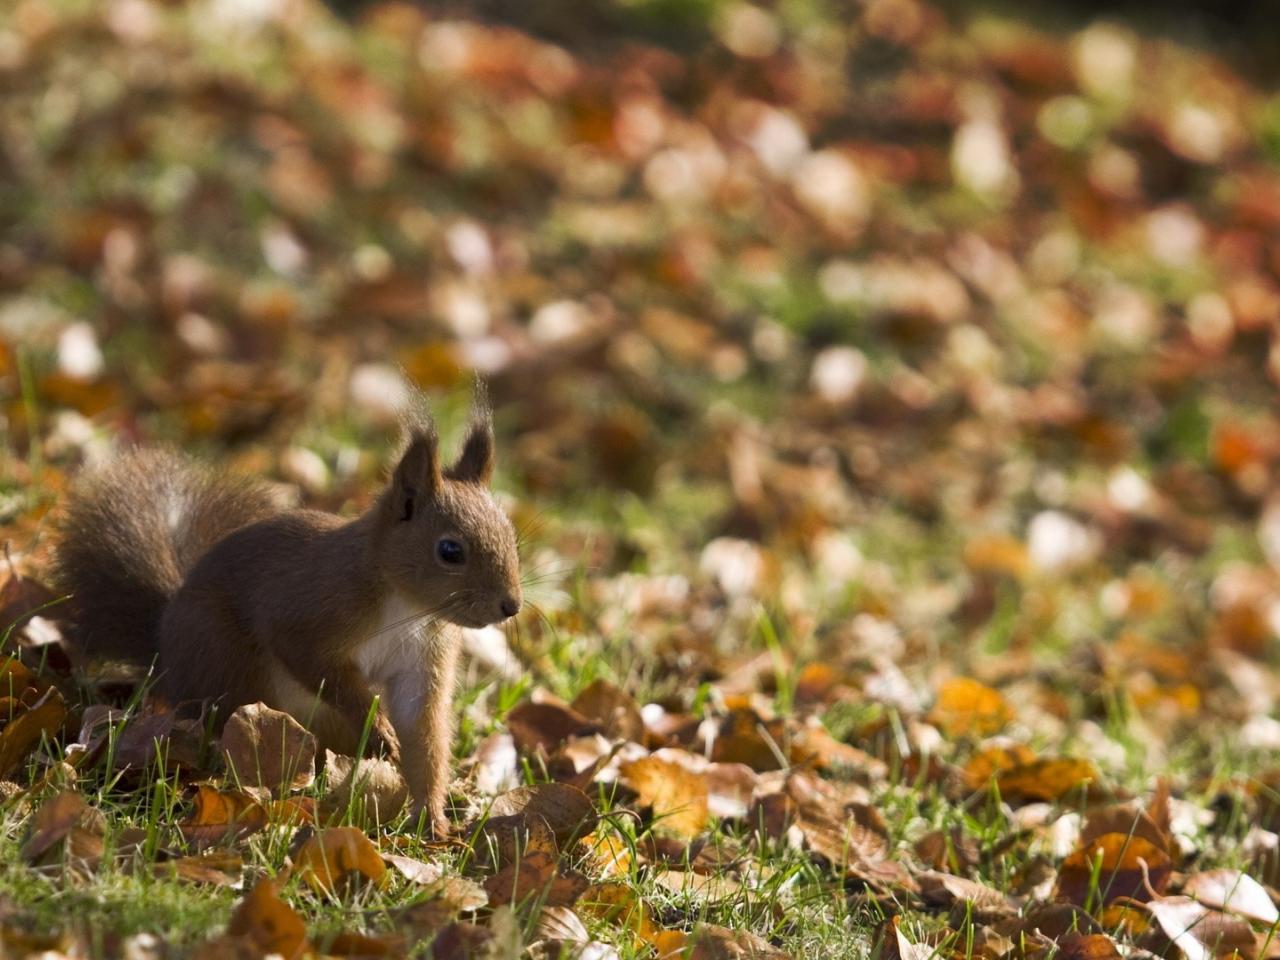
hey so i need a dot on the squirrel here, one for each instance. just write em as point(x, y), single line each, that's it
point(237, 599)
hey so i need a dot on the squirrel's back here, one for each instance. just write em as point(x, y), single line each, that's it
point(130, 532)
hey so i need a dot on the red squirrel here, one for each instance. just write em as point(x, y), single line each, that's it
point(237, 599)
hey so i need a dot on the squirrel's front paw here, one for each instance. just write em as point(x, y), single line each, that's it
point(383, 741)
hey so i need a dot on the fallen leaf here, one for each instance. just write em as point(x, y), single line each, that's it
point(620, 907)
point(66, 829)
point(710, 942)
point(221, 868)
point(1049, 780)
point(222, 817)
point(415, 871)
point(1233, 892)
point(169, 736)
point(545, 726)
point(1198, 932)
point(268, 748)
point(1087, 946)
point(373, 785)
point(677, 794)
point(497, 764)
point(334, 855)
point(946, 890)
point(566, 810)
point(269, 923)
point(537, 876)
point(967, 708)
point(21, 734)
point(560, 926)
point(613, 709)
point(704, 887)
point(502, 840)
point(1126, 867)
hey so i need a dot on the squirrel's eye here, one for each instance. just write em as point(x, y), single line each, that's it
point(450, 552)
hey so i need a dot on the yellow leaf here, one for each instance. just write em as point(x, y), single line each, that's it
point(967, 708)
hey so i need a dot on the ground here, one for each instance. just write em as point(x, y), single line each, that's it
point(885, 397)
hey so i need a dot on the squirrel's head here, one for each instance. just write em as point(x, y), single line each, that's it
point(446, 544)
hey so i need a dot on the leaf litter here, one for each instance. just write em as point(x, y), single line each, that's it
point(926, 366)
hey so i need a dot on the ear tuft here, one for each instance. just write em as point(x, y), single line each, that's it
point(417, 474)
point(475, 463)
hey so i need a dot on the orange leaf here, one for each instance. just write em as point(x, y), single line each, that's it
point(1127, 866)
point(335, 854)
point(269, 923)
point(967, 708)
point(222, 816)
point(1048, 780)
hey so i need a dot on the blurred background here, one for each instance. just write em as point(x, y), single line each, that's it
point(945, 333)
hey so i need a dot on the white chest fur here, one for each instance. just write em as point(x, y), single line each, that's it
point(397, 642)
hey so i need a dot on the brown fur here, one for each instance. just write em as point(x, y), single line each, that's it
point(243, 601)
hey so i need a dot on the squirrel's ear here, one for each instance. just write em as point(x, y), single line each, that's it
point(475, 463)
point(417, 475)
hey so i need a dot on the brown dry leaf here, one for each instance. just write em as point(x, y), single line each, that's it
point(378, 786)
point(565, 809)
point(951, 851)
point(447, 897)
point(967, 708)
point(500, 939)
point(612, 708)
point(222, 816)
point(1233, 892)
point(1127, 864)
point(992, 760)
point(335, 855)
point(174, 736)
point(501, 840)
point(269, 923)
point(709, 942)
point(221, 868)
point(851, 837)
point(815, 746)
point(677, 795)
point(1048, 780)
point(1131, 821)
point(545, 726)
point(1087, 946)
point(536, 876)
point(268, 748)
point(65, 824)
point(715, 887)
point(747, 739)
point(21, 734)
point(945, 890)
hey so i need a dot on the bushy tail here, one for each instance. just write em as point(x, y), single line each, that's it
point(130, 531)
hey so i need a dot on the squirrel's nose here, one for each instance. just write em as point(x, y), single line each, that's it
point(510, 606)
